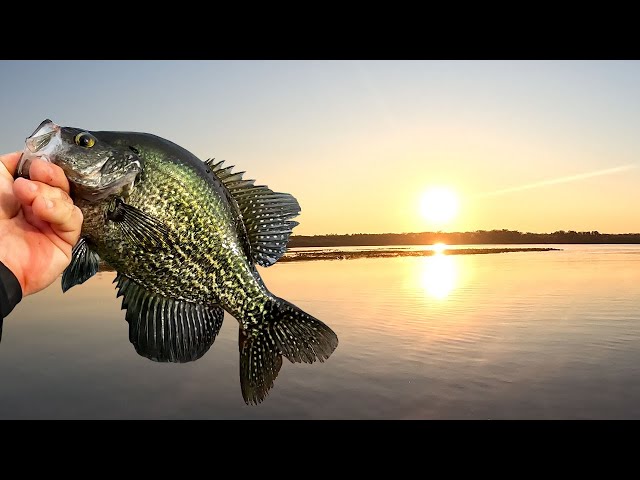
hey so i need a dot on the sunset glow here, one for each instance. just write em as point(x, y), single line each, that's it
point(438, 248)
point(439, 205)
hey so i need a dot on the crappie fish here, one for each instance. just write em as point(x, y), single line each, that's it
point(184, 236)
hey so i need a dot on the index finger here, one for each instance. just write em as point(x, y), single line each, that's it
point(10, 161)
point(45, 172)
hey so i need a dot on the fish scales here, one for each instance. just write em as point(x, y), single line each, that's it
point(199, 261)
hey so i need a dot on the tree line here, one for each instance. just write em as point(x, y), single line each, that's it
point(479, 237)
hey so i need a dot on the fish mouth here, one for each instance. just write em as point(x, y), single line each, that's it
point(42, 143)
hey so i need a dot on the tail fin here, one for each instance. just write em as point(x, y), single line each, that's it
point(299, 336)
point(286, 331)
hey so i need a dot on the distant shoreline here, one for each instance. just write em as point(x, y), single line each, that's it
point(480, 237)
point(310, 255)
point(313, 255)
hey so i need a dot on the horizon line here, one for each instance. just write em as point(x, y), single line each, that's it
point(463, 232)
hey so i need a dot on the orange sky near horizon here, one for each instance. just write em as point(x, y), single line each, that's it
point(547, 190)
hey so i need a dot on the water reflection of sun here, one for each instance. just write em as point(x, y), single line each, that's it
point(439, 247)
point(439, 275)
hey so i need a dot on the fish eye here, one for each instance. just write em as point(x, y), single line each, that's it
point(85, 139)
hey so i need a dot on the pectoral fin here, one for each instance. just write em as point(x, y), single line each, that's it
point(138, 226)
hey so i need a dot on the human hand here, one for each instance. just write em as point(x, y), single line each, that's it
point(39, 224)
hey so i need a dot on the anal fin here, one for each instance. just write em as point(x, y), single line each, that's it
point(165, 329)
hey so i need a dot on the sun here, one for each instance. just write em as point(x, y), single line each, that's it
point(439, 205)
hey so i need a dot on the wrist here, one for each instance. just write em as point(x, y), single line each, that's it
point(10, 291)
point(9, 260)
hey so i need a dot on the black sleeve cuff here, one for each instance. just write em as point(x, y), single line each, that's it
point(10, 291)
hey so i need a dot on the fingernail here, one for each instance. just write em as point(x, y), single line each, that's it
point(48, 203)
point(32, 186)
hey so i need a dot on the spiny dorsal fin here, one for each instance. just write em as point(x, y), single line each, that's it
point(165, 329)
point(266, 214)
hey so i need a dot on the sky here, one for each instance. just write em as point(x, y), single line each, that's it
point(535, 146)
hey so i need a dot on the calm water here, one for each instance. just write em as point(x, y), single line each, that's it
point(513, 335)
